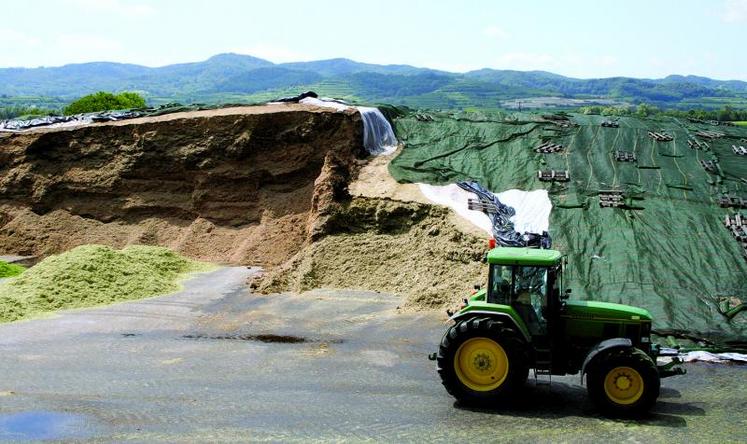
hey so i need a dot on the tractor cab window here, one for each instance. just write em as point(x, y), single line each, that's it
point(525, 289)
point(501, 284)
point(531, 297)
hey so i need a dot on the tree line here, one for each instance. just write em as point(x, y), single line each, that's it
point(97, 102)
point(726, 114)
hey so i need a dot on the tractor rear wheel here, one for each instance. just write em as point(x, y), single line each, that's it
point(623, 382)
point(481, 360)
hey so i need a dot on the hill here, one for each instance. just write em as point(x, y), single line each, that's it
point(242, 78)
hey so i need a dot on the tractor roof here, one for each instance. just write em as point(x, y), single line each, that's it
point(523, 256)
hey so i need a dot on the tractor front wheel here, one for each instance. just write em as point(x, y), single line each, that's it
point(480, 360)
point(623, 382)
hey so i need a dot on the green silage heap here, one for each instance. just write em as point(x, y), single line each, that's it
point(9, 270)
point(93, 275)
point(666, 248)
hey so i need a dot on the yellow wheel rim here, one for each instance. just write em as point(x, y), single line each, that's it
point(481, 364)
point(623, 385)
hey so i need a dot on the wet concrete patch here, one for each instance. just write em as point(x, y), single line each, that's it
point(210, 387)
point(43, 425)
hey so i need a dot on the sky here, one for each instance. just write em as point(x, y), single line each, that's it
point(578, 38)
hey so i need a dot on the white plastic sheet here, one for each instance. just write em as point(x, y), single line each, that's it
point(378, 134)
point(713, 357)
point(532, 207)
point(325, 103)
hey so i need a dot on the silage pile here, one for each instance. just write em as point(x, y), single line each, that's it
point(93, 275)
point(9, 270)
point(406, 248)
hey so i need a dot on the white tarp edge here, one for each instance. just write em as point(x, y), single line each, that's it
point(532, 207)
point(712, 357)
point(378, 134)
point(325, 103)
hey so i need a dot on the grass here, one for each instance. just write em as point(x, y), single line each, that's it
point(742, 123)
point(9, 270)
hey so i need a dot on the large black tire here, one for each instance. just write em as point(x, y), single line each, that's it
point(618, 391)
point(485, 346)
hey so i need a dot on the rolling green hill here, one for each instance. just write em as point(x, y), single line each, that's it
point(241, 78)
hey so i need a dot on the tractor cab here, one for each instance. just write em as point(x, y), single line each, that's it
point(529, 281)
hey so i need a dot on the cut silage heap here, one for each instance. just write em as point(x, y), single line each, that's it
point(93, 275)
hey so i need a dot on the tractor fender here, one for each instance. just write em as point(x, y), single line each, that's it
point(505, 317)
point(605, 345)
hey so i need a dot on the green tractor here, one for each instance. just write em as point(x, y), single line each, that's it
point(524, 320)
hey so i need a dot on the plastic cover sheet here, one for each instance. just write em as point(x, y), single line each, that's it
point(666, 249)
point(532, 207)
point(713, 357)
point(378, 134)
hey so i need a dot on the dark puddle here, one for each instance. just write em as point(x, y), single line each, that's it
point(267, 338)
point(41, 425)
point(286, 339)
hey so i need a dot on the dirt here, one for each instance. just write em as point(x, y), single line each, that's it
point(240, 185)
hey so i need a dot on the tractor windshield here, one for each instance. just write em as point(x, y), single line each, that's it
point(524, 288)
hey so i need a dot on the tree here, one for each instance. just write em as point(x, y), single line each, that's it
point(104, 101)
point(644, 110)
point(727, 114)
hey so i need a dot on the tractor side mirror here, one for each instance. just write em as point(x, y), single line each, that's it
point(565, 295)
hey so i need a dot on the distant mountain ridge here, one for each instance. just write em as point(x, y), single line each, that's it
point(235, 77)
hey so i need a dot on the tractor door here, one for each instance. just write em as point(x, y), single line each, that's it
point(530, 297)
point(525, 289)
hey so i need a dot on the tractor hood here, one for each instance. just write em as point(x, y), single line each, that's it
point(605, 310)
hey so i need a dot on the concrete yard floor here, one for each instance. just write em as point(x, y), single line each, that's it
point(215, 363)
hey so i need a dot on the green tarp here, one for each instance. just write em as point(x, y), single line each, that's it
point(666, 249)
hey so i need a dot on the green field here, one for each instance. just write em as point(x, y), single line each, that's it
point(743, 123)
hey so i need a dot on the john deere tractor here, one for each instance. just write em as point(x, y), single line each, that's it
point(523, 320)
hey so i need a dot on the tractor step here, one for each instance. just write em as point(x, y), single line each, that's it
point(542, 372)
point(543, 366)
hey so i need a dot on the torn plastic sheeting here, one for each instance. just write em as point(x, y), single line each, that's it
point(532, 207)
point(14, 125)
point(63, 121)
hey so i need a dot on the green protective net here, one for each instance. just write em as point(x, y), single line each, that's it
point(665, 247)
